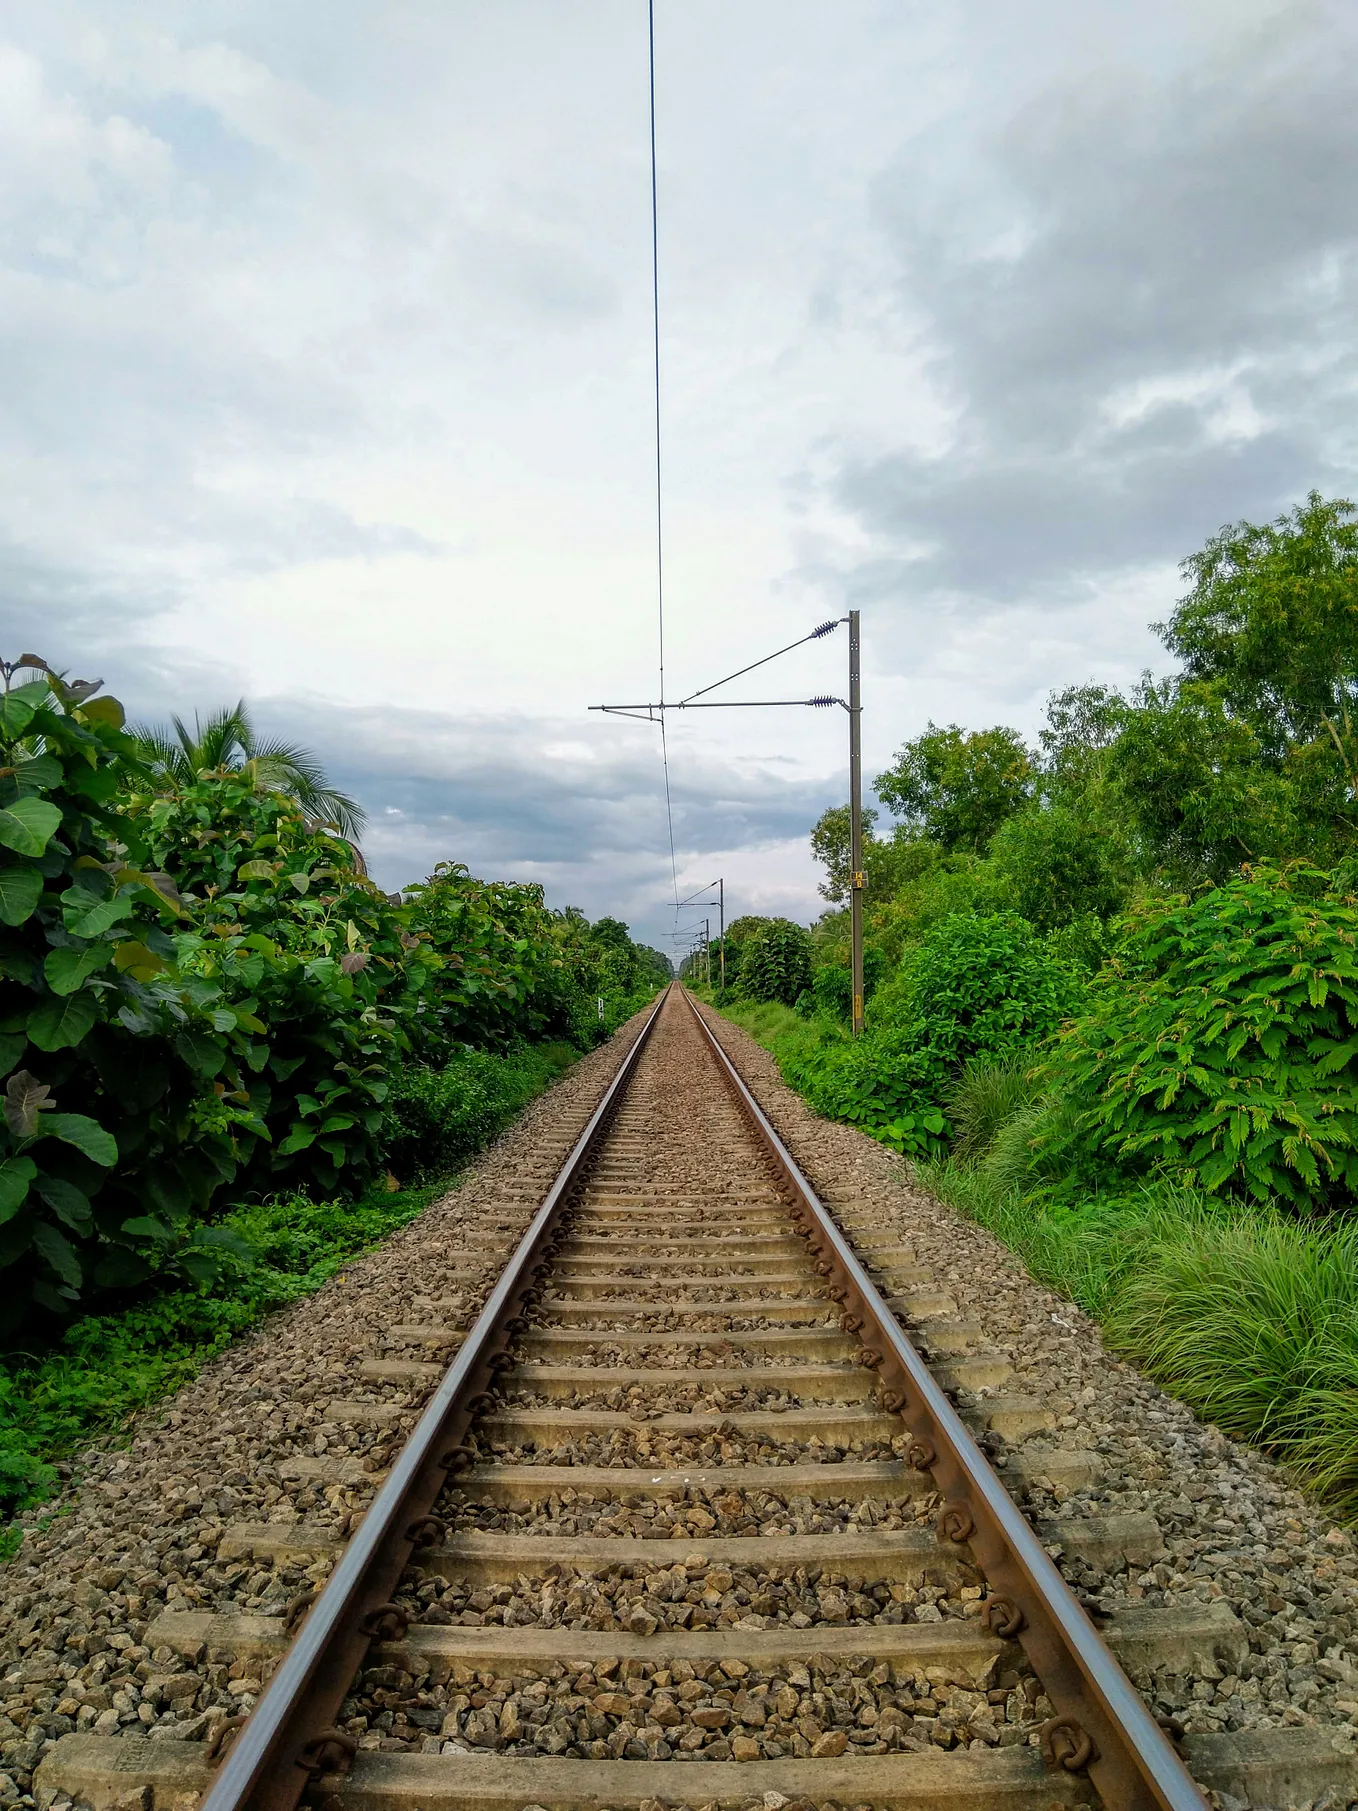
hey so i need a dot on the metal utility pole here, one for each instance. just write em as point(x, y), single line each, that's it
point(707, 949)
point(721, 931)
point(855, 826)
point(720, 884)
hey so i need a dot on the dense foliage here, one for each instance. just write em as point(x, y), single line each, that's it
point(206, 999)
point(1120, 969)
point(974, 985)
point(1187, 850)
point(775, 962)
point(1221, 1042)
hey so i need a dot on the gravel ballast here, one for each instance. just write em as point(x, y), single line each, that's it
point(291, 1431)
point(139, 1530)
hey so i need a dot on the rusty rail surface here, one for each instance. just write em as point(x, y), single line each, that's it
point(289, 1739)
point(1102, 1724)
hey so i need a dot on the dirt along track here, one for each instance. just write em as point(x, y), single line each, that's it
point(686, 1559)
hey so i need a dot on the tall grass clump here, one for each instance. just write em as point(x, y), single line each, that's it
point(985, 1099)
point(1255, 1323)
point(1245, 1313)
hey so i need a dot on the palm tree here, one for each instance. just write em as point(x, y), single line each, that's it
point(228, 739)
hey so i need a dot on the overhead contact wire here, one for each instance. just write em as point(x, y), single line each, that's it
point(659, 494)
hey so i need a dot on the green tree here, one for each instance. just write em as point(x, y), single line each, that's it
point(1199, 785)
point(775, 961)
point(228, 739)
point(956, 786)
point(1271, 622)
point(886, 860)
point(1083, 726)
point(1054, 866)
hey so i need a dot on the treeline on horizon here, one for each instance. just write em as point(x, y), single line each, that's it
point(207, 1002)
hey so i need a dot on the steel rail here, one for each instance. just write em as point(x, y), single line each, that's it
point(1102, 1724)
point(286, 1741)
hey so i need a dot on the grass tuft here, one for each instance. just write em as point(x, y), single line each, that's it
point(983, 1101)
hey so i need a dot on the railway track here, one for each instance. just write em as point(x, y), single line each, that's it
point(688, 1519)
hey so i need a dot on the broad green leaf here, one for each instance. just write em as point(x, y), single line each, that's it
point(25, 1098)
point(160, 886)
point(62, 1021)
point(85, 1134)
point(16, 1173)
point(16, 714)
point(200, 1052)
point(146, 1226)
point(59, 1252)
point(256, 870)
point(66, 970)
point(39, 774)
point(20, 891)
point(103, 710)
point(297, 1140)
point(12, 1046)
point(85, 914)
point(28, 825)
point(302, 882)
point(66, 1201)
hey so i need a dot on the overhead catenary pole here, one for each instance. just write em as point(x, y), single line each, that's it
point(707, 949)
point(855, 827)
point(721, 931)
point(654, 712)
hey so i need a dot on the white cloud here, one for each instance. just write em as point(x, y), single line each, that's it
point(324, 376)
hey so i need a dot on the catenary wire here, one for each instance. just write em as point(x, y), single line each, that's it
point(659, 491)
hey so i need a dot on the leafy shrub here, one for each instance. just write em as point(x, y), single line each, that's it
point(832, 991)
point(1222, 1042)
point(106, 1116)
point(878, 1084)
point(975, 987)
point(437, 1118)
point(204, 990)
point(505, 974)
point(775, 961)
point(316, 983)
point(978, 985)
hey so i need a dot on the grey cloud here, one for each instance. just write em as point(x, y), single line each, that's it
point(491, 782)
point(485, 791)
point(1140, 304)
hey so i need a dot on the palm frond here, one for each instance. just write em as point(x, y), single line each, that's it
point(336, 810)
point(226, 734)
point(160, 751)
point(227, 738)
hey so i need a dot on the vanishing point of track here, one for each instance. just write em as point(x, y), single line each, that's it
point(686, 1336)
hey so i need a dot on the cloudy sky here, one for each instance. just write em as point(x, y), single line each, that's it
point(326, 379)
